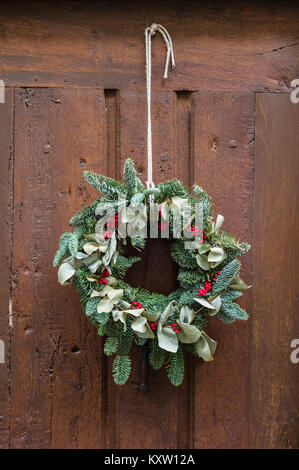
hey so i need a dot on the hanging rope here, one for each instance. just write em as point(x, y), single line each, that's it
point(149, 32)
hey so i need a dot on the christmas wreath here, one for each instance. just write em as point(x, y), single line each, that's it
point(93, 256)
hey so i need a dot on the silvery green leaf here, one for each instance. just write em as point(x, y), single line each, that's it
point(205, 347)
point(202, 261)
point(166, 314)
point(187, 315)
point(121, 316)
point(95, 293)
point(151, 316)
point(137, 198)
point(204, 302)
point(136, 312)
point(105, 305)
point(93, 236)
point(178, 201)
point(168, 340)
point(139, 324)
point(216, 254)
point(219, 221)
point(216, 304)
point(93, 267)
point(80, 255)
point(65, 273)
point(203, 248)
point(238, 284)
point(189, 333)
point(124, 304)
point(90, 247)
point(115, 295)
point(148, 334)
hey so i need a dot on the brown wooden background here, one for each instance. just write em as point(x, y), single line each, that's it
point(75, 100)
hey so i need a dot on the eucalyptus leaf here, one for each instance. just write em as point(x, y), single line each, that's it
point(216, 254)
point(105, 305)
point(188, 333)
point(139, 324)
point(121, 316)
point(168, 340)
point(65, 273)
point(205, 347)
point(202, 261)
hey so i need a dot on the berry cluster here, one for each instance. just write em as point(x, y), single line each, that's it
point(175, 328)
point(111, 224)
point(103, 279)
point(162, 226)
point(195, 230)
point(135, 304)
point(208, 286)
point(154, 326)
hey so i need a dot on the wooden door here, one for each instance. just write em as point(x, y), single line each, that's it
point(75, 100)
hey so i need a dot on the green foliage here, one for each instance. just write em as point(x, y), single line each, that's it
point(83, 286)
point(175, 367)
point(114, 197)
point(206, 205)
point(138, 243)
point(63, 249)
point(121, 369)
point(102, 329)
point(122, 265)
point(184, 258)
point(231, 311)
point(74, 240)
point(107, 186)
point(130, 178)
point(125, 340)
point(228, 272)
point(86, 215)
point(157, 355)
point(168, 189)
point(190, 278)
point(110, 346)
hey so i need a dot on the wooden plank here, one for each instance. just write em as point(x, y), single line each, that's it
point(63, 44)
point(223, 165)
point(274, 380)
point(132, 408)
point(6, 181)
point(56, 354)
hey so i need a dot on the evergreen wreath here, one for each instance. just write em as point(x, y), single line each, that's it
point(208, 274)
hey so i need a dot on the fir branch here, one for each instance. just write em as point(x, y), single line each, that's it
point(175, 368)
point(122, 265)
point(107, 186)
point(63, 249)
point(130, 178)
point(228, 272)
point(184, 258)
point(157, 355)
point(110, 346)
point(121, 369)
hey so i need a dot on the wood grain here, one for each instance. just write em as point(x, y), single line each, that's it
point(6, 184)
point(56, 355)
point(223, 165)
point(239, 46)
point(274, 410)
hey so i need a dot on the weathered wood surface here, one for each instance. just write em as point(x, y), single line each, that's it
point(238, 46)
point(223, 165)
point(274, 378)
point(56, 374)
point(6, 205)
point(56, 388)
